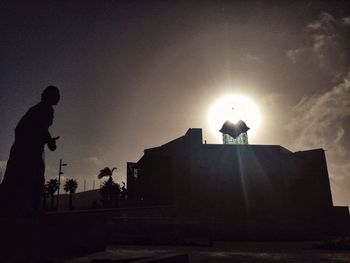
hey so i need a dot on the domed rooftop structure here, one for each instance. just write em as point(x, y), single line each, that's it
point(234, 133)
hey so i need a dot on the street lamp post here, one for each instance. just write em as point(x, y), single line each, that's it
point(59, 181)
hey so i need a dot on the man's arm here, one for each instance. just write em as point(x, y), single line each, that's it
point(47, 122)
point(52, 143)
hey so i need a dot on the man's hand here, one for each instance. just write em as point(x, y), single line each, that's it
point(52, 143)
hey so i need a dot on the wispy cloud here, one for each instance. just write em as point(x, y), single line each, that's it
point(294, 54)
point(272, 99)
point(324, 22)
point(346, 20)
point(328, 37)
point(254, 58)
point(320, 121)
point(340, 181)
point(324, 36)
point(95, 160)
point(320, 115)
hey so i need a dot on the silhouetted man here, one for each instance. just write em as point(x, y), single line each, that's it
point(22, 187)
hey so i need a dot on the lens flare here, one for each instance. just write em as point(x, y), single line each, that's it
point(234, 108)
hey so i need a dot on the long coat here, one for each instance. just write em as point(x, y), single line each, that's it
point(24, 179)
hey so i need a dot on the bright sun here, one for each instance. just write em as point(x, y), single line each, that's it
point(234, 108)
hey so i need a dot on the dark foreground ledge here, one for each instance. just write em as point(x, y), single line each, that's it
point(51, 236)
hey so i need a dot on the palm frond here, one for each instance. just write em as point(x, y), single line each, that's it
point(70, 185)
point(106, 172)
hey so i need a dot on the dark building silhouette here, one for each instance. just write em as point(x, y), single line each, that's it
point(253, 189)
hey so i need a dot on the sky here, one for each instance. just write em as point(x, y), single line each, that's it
point(136, 74)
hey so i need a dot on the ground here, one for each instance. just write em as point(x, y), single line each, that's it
point(225, 252)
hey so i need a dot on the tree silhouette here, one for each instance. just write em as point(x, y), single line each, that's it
point(52, 186)
point(46, 194)
point(70, 186)
point(110, 190)
point(123, 192)
point(106, 172)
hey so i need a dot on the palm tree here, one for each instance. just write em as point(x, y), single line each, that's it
point(70, 186)
point(52, 186)
point(106, 172)
point(110, 190)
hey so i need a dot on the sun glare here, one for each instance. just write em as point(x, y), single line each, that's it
point(234, 108)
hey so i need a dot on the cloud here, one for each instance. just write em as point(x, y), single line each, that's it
point(328, 42)
point(320, 115)
point(320, 122)
point(294, 54)
point(324, 22)
point(272, 99)
point(342, 171)
point(324, 35)
point(340, 181)
point(254, 58)
point(346, 20)
point(95, 160)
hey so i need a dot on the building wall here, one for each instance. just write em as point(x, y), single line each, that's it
point(312, 181)
point(232, 182)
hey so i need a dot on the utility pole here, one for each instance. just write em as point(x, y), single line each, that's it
point(93, 185)
point(59, 181)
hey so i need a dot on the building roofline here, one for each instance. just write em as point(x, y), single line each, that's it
point(224, 145)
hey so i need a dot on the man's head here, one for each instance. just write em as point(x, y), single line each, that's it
point(50, 95)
